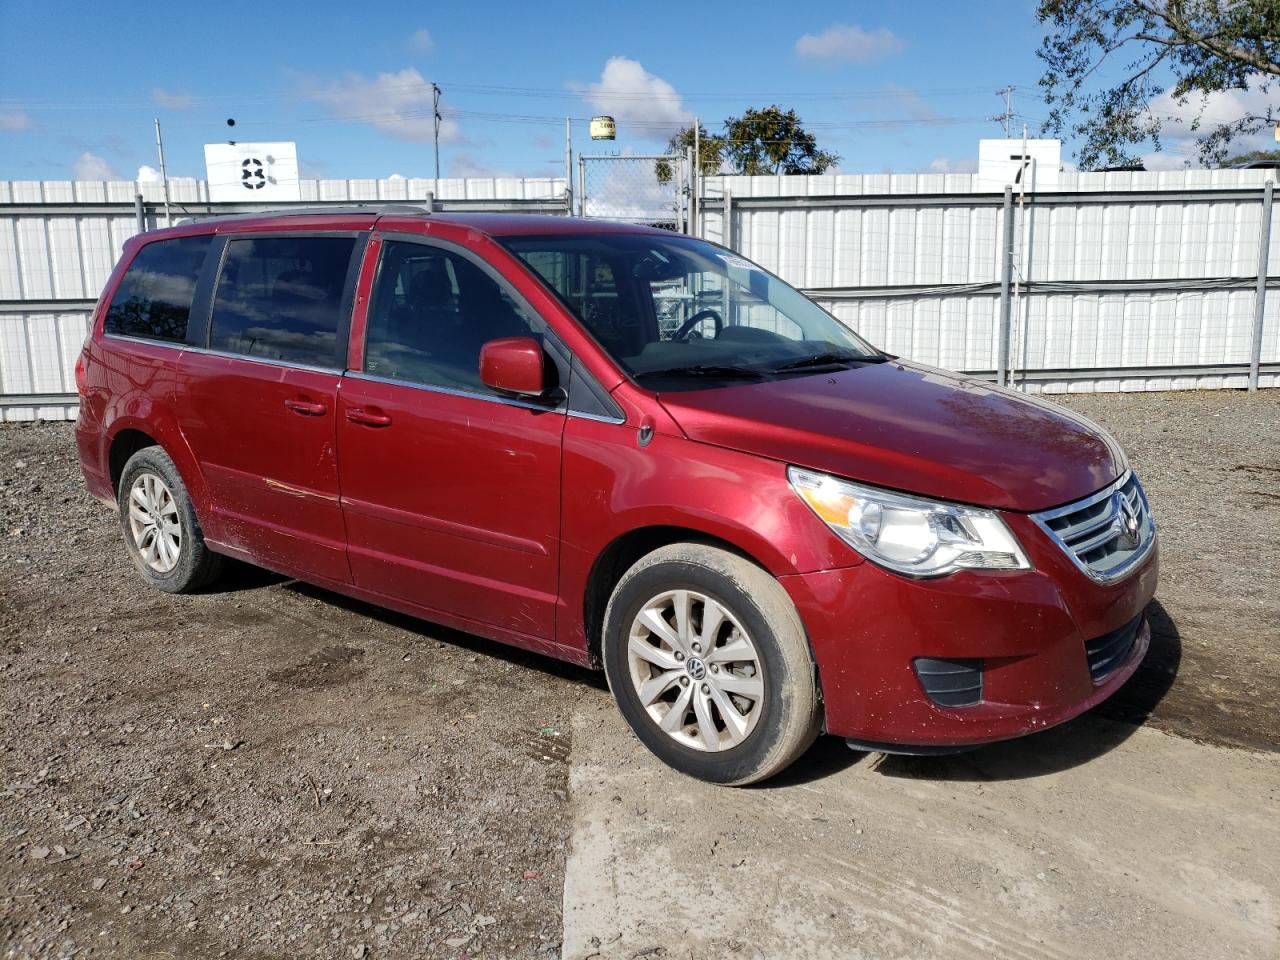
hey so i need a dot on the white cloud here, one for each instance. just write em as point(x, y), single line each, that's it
point(645, 106)
point(848, 44)
point(1179, 129)
point(395, 176)
point(421, 41)
point(952, 165)
point(398, 104)
point(149, 174)
point(171, 100)
point(14, 120)
point(90, 166)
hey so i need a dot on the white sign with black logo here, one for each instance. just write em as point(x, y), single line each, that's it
point(1008, 163)
point(252, 172)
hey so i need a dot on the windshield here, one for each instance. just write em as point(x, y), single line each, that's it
point(684, 311)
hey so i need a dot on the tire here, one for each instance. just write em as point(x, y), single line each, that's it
point(177, 561)
point(769, 683)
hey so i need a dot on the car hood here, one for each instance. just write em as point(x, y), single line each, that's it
point(913, 428)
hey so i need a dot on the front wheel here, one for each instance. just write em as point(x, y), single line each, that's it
point(707, 659)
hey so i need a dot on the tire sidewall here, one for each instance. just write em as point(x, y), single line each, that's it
point(739, 763)
point(155, 461)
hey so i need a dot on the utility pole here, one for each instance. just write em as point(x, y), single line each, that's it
point(568, 165)
point(435, 110)
point(1020, 276)
point(164, 176)
point(1006, 118)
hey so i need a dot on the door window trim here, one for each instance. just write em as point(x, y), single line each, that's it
point(558, 408)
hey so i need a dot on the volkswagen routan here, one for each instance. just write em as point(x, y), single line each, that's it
point(626, 448)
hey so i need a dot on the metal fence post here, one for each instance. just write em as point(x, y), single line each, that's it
point(677, 167)
point(582, 185)
point(1260, 296)
point(1006, 280)
point(691, 205)
point(726, 227)
point(140, 213)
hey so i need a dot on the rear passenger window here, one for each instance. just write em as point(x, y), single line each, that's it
point(280, 298)
point(153, 300)
point(432, 310)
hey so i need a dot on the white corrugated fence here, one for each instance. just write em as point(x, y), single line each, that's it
point(1120, 281)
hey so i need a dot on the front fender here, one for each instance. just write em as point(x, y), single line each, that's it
point(614, 486)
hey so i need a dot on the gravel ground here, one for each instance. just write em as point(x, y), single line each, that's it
point(261, 771)
point(272, 770)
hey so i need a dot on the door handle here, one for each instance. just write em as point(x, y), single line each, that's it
point(368, 418)
point(306, 408)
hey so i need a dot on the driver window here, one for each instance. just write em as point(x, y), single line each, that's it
point(432, 310)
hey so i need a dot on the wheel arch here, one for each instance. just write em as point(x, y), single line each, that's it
point(624, 550)
point(124, 445)
point(129, 435)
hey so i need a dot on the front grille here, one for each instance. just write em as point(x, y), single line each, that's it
point(1105, 534)
point(951, 683)
point(1110, 651)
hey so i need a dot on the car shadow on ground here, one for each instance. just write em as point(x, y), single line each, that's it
point(1076, 742)
point(431, 632)
point(1079, 741)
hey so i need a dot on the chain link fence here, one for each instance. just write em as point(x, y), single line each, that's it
point(648, 189)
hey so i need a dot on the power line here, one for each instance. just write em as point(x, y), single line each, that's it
point(586, 91)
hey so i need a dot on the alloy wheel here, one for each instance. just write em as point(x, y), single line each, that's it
point(154, 523)
point(695, 670)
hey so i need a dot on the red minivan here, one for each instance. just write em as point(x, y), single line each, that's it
point(626, 448)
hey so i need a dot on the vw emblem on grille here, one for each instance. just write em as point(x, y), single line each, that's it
point(1128, 521)
point(697, 669)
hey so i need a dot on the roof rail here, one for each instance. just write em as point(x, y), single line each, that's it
point(338, 209)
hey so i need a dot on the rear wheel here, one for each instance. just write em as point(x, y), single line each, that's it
point(160, 527)
point(707, 659)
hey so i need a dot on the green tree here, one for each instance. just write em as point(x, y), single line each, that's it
point(772, 141)
point(710, 152)
point(1251, 156)
point(1145, 48)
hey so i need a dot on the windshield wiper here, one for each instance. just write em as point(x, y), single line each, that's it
point(828, 360)
point(712, 370)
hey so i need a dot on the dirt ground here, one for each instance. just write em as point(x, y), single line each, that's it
point(270, 770)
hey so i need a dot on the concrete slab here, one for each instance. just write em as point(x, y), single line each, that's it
point(1094, 840)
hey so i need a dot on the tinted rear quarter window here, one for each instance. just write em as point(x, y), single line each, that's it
point(281, 298)
point(153, 300)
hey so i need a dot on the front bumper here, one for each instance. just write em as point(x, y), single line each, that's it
point(1028, 628)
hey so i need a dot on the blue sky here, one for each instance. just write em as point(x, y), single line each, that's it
point(902, 87)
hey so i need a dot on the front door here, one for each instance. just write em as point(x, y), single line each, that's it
point(451, 493)
point(259, 401)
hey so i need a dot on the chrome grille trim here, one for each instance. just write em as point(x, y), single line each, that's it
point(1092, 531)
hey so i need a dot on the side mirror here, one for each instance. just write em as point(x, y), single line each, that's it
point(514, 365)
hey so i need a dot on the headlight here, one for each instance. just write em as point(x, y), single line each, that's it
point(924, 538)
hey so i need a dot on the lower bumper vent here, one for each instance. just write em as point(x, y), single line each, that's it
point(1110, 651)
point(950, 683)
